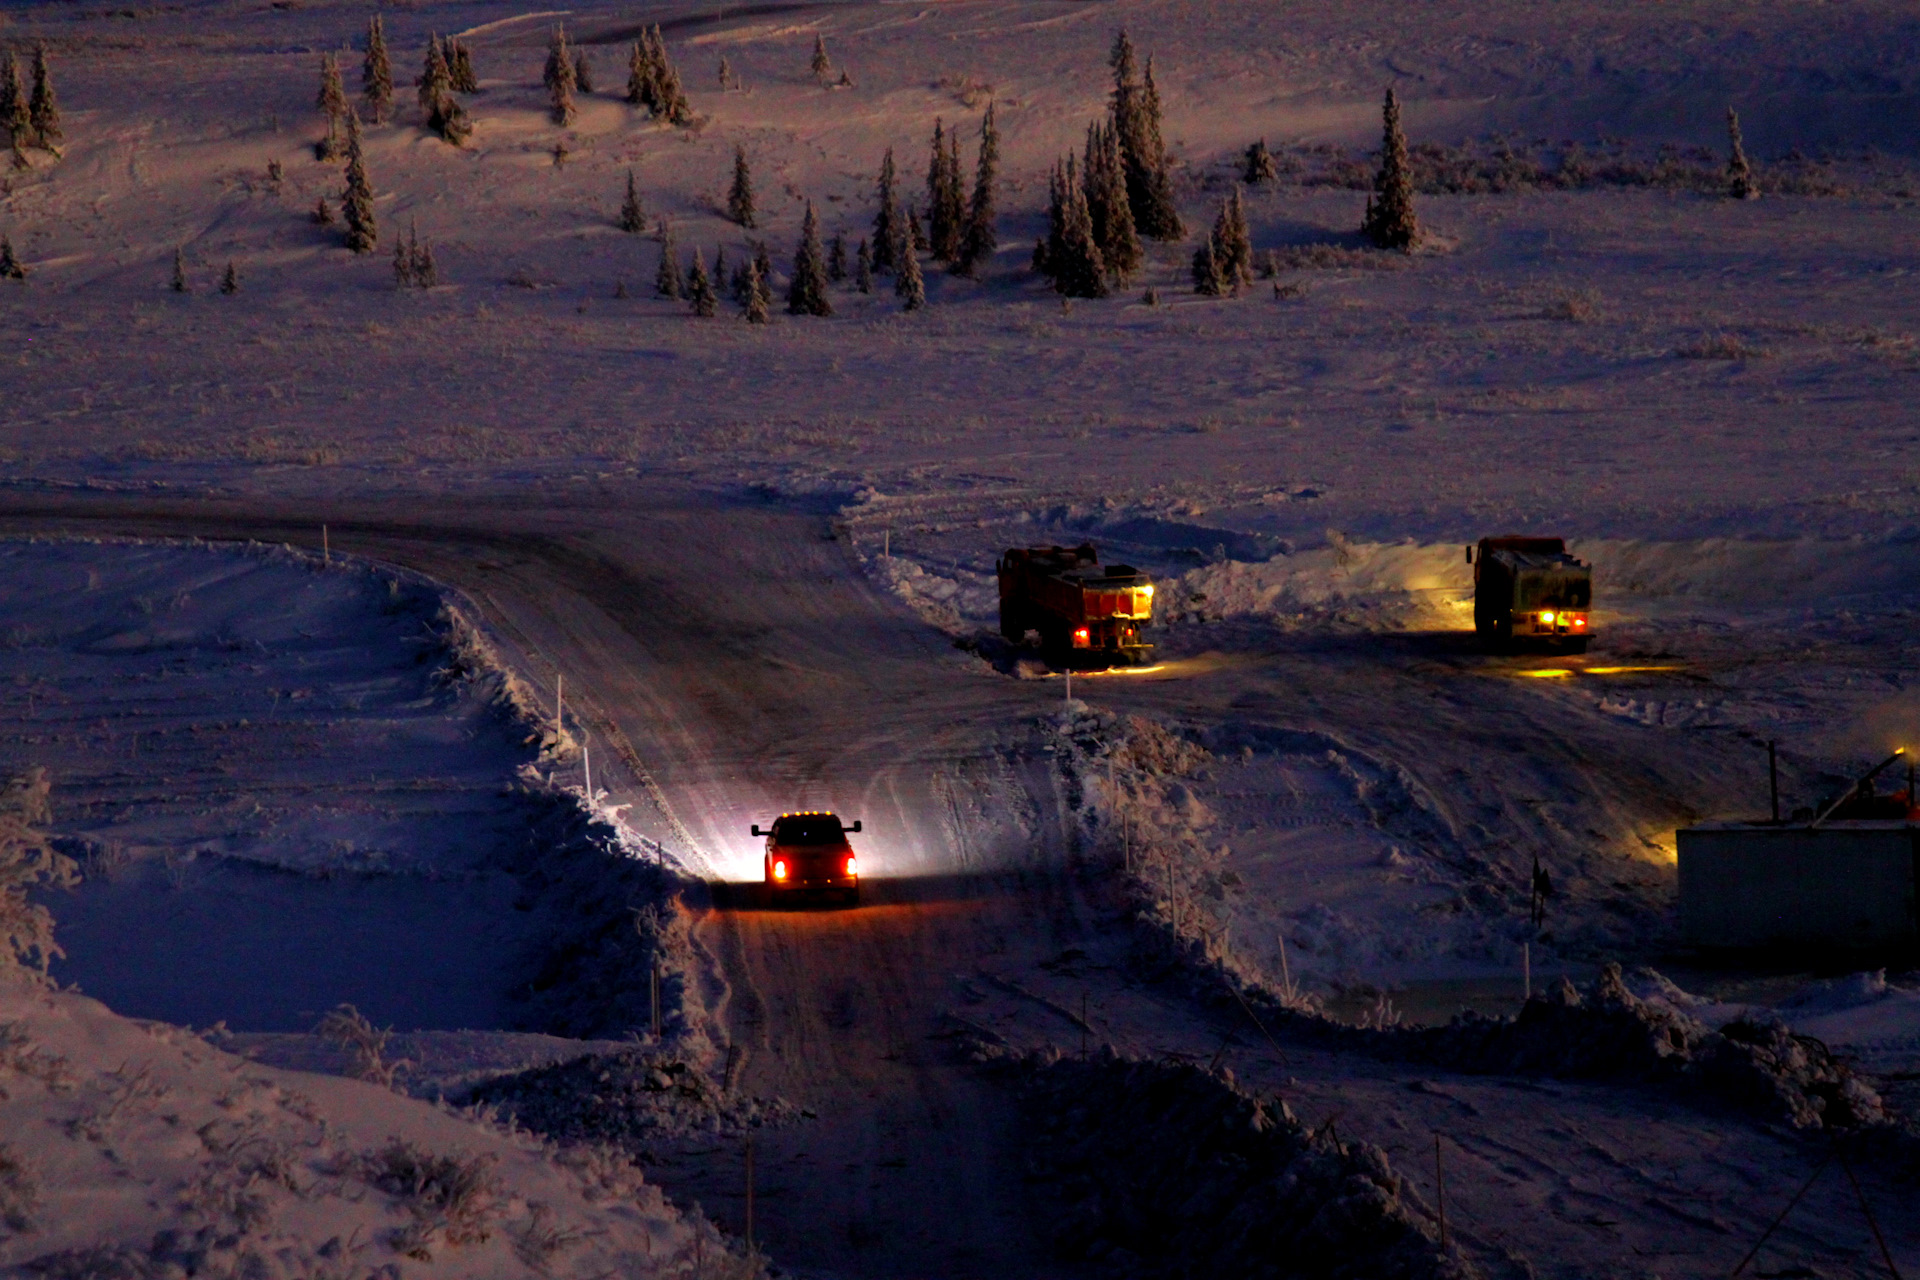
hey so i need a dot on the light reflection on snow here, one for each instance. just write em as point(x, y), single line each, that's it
point(1551, 673)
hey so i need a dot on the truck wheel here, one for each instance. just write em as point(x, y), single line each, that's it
point(1579, 644)
point(1013, 627)
point(1501, 639)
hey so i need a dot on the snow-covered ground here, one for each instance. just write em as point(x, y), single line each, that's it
point(751, 552)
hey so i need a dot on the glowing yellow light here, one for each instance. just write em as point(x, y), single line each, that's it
point(851, 867)
point(1614, 671)
point(1147, 591)
point(779, 871)
point(1547, 617)
point(1545, 673)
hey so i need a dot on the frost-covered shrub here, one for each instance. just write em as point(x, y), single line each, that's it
point(28, 861)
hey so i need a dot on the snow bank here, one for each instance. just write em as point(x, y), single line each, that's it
point(293, 782)
point(134, 1150)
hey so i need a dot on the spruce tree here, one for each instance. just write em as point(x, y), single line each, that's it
point(979, 241)
point(376, 73)
point(230, 282)
point(426, 273)
point(1107, 204)
point(666, 281)
point(742, 281)
point(764, 262)
point(807, 294)
point(1208, 279)
point(633, 218)
point(43, 111)
point(674, 106)
point(322, 214)
point(356, 202)
point(413, 262)
point(444, 114)
point(719, 273)
point(558, 78)
point(837, 257)
point(1162, 221)
point(1050, 253)
point(700, 289)
point(759, 296)
point(1233, 244)
point(819, 64)
point(916, 234)
point(946, 199)
point(1077, 267)
point(640, 88)
point(1259, 167)
point(10, 265)
point(14, 120)
point(332, 102)
point(179, 281)
point(863, 267)
point(435, 81)
point(1740, 183)
point(460, 67)
point(887, 223)
point(908, 285)
point(1390, 221)
point(726, 74)
point(942, 236)
point(582, 73)
point(740, 195)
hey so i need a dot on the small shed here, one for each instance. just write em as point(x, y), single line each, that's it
point(1846, 885)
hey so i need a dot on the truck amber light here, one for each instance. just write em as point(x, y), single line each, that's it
point(780, 870)
point(1547, 617)
point(850, 867)
point(1081, 636)
point(1579, 621)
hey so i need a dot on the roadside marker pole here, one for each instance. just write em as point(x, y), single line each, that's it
point(586, 758)
point(326, 547)
point(749, 1195)
point(1526, 967)
point(654, 990)
point(559, 699)
point(1440, 1189)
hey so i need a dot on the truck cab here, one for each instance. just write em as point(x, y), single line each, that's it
point(1529, 590)
point(808, 854)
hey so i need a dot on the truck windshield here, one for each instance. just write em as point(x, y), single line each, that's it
point(812, 829)
point(1543, 589)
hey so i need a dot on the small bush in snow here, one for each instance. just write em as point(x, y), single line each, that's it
point(28, 863)
point(366, 1046)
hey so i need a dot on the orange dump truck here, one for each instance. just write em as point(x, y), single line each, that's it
point(1084, 613)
